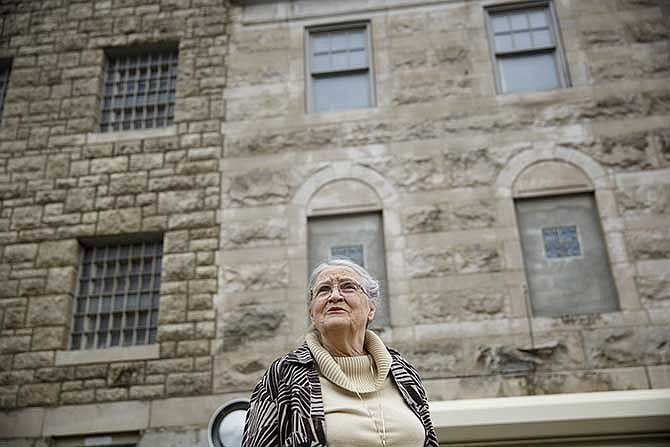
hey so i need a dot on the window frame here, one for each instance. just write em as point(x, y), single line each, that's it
point(310, 96)
point(556, 49)
point(138, 51)
point(104, 241)
point(5, 73)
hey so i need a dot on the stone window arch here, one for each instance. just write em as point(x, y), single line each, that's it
point(558, 181)
point(345, 190)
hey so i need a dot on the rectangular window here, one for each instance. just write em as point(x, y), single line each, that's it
point(526, 49)
point(340, 74)
point(117, 295)
point(5, 67)
point(357, 237)
point(139, 90)
point(565, 256)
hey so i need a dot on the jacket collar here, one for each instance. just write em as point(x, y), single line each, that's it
point(302, 355)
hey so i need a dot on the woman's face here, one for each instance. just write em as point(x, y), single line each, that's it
point(338, 301)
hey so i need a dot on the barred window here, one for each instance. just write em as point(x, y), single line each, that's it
point(117, 295)
point(340, 68)
point(139, 91)
point(4, 80)
point(526, 48)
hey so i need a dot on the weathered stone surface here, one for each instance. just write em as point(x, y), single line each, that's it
point(463, 259)
point(259, 187)
point(58, 253)
point(60, 280)
point(472, 168)
point(611, 348)
point(132, 183)
point(31, 360)
point(650, 244)
point(239, 370)
point(647, 31)
point(178, 266)
point(459, 305)
point(250, 324)
point(38, 394)
point(654, 290)
point(266, 232)
point(625, 152)
point(447, 217)
point(20, 253)
point(164, 366)
point(80, 199)
point(125, 374)
point(584, 382)
point(91, 372)
point(109, 165)
point(180, 201)
point(53, 337)
point(652, 199)
point(310, 138)
point(188, 383)
point(146, 392)
point(662, 138)
point(48, 310)
point(125, 220)
point(15, 343)
point(259, 276)
point(414, 173)
point(77, 397)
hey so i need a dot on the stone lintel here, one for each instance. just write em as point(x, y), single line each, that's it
point(96, 418)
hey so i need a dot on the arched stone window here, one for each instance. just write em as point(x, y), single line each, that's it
point(569, 242)
point(347, 210)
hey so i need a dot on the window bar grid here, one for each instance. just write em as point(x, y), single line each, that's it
point(117, 296)
point(140, 91)
point(528, 29)
point(4, 79)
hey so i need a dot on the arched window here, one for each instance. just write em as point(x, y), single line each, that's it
point(344, 220)
point(565, 256)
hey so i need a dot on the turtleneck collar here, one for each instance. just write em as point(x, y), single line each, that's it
point(366, 373)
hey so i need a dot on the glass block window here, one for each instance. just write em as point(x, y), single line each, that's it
point(139, 91)
point(339, 68)
point(526, 48)
point(4, 80)
point(561, 242)
point(117, 295)
point(351, 252)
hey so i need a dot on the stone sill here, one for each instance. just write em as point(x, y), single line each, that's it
point(121, 354)
point(109, 137)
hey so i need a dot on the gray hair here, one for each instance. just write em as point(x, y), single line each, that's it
point(370, 285)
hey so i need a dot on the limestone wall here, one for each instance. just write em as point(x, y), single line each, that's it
point(229, 188)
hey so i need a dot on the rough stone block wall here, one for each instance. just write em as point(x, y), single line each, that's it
point(61, 180)
point(442, 138)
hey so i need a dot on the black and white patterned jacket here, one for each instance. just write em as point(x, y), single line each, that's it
point(287, 405)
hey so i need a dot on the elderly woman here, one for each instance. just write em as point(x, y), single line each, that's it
point(343, 386)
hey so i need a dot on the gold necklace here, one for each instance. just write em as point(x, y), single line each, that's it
point(382, 433)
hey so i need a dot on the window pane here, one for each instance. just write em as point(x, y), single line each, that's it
point(504, 43)
point(538, 18)
point(528, 72)
point(320, 43)
point(338, 41)
point(101, 316)
point(358, 58)
point(522, 41)
point(357, 39)
point(340, 60)
point(499, 23)
point(321, 62)
point(343, 91)
point(519, 21)
point(542, 38)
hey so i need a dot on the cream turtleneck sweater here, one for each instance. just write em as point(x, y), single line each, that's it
point(351, 422)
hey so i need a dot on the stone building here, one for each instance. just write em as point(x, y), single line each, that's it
point(171, 169)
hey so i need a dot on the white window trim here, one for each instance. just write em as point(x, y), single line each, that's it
point(309, 80)
point(559, 54)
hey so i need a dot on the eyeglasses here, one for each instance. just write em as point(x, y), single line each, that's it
point(346, 288)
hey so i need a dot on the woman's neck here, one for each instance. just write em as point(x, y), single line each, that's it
point(342, 343)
